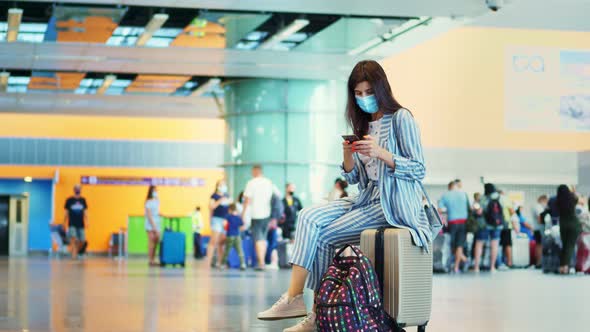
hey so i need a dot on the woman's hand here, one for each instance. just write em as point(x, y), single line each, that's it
point(368, 147)
point(348, 159)
point(347, 147)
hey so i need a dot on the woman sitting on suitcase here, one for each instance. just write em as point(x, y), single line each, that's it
point(387, 164)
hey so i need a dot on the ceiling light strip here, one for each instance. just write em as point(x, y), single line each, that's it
point(284, 34)
point(14, 18)
point(390, 35)
point(4, 81)
point(206, 87)
point(153, 25)
point(108, 80)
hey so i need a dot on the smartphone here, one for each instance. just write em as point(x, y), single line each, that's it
point(350, 138)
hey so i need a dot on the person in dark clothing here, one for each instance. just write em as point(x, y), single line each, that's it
point(76, 218)
point(292, 206)
point(553, 210)
point(235, 225)
point(569, 225)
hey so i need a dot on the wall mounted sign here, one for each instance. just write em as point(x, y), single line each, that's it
point(142, 181)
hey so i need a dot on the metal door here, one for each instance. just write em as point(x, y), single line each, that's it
point(18, 218)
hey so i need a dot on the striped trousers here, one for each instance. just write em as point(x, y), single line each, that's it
point(323, 229)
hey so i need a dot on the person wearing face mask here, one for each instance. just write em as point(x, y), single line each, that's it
point(76, 217)
point(152, 223)
point(292, 206)
point(387, 164)
point(219, 206)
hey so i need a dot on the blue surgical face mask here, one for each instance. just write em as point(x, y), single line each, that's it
point(155, 194)
point(223, 188)
point(368, 104)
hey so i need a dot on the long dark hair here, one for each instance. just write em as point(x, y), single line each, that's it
point(565, 199)
point(372, 72)
point(150, 193)
point(489, 189)
point(343, 185)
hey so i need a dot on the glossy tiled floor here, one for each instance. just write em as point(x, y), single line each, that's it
point(103, 295)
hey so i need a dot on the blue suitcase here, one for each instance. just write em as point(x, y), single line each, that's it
point(173, 246)
point(249, 250)
point(197, 246)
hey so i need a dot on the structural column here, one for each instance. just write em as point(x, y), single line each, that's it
point(290, 127)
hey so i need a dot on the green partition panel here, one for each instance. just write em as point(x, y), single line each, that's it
point(137, 241)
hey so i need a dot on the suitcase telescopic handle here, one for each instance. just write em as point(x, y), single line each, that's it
point(171, 221)
point(380, 256)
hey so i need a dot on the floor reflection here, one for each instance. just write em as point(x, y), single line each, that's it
point(102, 295)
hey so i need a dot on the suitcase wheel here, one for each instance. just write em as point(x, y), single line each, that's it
point(182, 265)
point(422, 328)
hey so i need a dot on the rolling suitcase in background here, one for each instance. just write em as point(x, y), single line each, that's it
point(441, 256)
point(583, 254)
point(468, 249)
point(486, 252)
point(405, 275)
point(197, 246)
point(173, 245)
point(533, 252)
point(551, 251)
point(521, 250)
point(249, 250)
point(285, 251)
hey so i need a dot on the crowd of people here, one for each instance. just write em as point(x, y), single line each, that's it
point(260, 209)
point(493, 217)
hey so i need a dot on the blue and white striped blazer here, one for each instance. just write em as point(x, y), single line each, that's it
point(401, 194)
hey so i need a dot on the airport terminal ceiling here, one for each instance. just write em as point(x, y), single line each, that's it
point(176, 54)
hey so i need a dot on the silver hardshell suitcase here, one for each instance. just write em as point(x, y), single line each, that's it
point(405, 274)
point(521, 254)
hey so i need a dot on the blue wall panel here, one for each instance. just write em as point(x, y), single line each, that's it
point(110, 153)
point(40, 193)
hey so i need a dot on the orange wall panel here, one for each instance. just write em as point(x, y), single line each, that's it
point(454, 86)
point(88, 127)
point(94, 29)
point(207, 41)
point(109, 206)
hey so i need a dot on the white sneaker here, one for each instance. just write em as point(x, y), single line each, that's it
point(308, 324)
point(285, 308)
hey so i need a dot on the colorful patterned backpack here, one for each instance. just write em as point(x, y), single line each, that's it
point(349, 297)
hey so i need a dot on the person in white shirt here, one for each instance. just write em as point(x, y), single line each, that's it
point(583, 213)
point(257, 204)
point(541, 218)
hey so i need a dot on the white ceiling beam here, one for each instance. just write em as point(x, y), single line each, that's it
point(105, 105)
point(88, 57)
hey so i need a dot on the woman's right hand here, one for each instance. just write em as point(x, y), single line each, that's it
point(348, 160)
point(347, 147)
